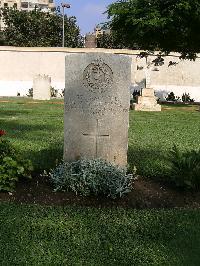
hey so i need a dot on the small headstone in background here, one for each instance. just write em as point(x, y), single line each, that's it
point(42, 87)
point(97, 100)
point(147, 101)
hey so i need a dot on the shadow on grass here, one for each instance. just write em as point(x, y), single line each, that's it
point(149, 162)
point(40, 143)
point(14, 127)
point(47, 158)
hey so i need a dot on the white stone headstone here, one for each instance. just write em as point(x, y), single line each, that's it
point(97, 100)
point(147, 101)
point(42, 87)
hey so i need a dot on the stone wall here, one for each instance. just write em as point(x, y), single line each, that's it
point(18, 66)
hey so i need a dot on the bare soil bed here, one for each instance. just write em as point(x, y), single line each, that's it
point(146, 194)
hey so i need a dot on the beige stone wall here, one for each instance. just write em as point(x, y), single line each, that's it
point(184, 77)
point(18, 66)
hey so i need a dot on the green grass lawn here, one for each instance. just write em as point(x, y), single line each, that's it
point(37, 129)
point(153, 134)
point(35, 235)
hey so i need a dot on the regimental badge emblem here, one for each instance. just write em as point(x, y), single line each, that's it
point(98, 76)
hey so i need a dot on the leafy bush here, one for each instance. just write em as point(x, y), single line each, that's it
point(186, 98)
point(185, 168)
point(88, 177)
point(54, 92)
point(135, 94)
point(30, 92)
point(12, 166)
point(172, 98)
point(62, 93)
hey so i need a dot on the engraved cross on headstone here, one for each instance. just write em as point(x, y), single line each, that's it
point(96, 135)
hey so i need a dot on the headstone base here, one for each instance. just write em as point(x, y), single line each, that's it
point(147, 101)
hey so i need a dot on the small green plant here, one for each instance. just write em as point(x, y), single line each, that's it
point(135, 94)
point(54, 92)
point(186, 98)
point(12, 166)
point(185, 168)
point(30, 92)
point(62, 93)
point(88, 177)
point(172, 98)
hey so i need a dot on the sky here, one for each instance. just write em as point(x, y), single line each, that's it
point(88, 12)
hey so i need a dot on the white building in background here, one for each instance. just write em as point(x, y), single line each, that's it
point(101, 29)
point(27, 5)
point(43, 5)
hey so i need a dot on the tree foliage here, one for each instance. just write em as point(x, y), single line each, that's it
point(111, 41)
point(36, 28)
point(166, 25)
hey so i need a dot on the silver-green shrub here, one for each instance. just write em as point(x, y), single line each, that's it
point(92, 177)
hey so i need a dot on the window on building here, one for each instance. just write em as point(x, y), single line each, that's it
point(15, 5)
point(24, 4)
point(43, 5)
point(50, 1)
point(5, 4)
